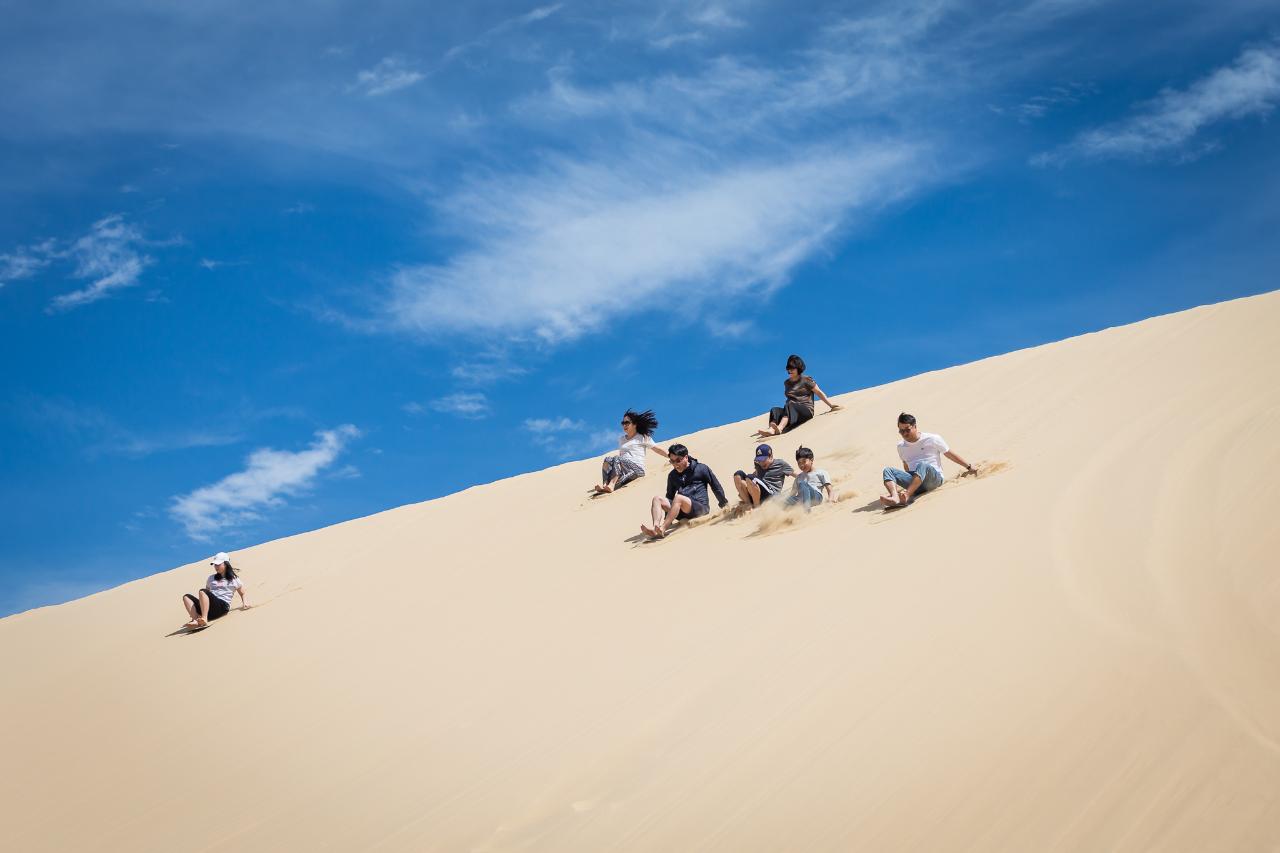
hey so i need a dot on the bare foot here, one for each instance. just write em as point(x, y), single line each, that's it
point(651, 532)
point(599, 490)
point(190, 624)
point(604, 490)
point(201, 623)
point(889, 500)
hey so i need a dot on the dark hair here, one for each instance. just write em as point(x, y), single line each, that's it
point(803, 453)
point(229, 574)
point(795, 363)
point(677, 450)
point(904, 418)
point(646, 422)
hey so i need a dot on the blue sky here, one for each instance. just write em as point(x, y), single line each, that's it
point(264, 267)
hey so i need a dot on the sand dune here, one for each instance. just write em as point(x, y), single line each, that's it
point(1079, 650)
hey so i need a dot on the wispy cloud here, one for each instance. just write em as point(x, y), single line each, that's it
point(1249, 86)
point(1039, 105)
point(110, 254)
point(558, 254)
point(471, 406)
point(523, 20)
point(100, 433)
point(25, 261)
point(268, 478)
point(389, 75)
point(568, 438)
point(486, 370)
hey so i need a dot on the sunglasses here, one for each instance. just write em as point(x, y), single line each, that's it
point(904, 429)
point(626, 423)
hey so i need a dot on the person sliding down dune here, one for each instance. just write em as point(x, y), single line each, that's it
point(214, 601)
point(799, 391)
point(637, 436)
point(686, 492)
point(810, 483)
point(764, 481)
point(921, 454)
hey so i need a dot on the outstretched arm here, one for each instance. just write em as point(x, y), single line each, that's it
point(661, 451)
point(823, 398)
point(244, 602)
point(956, 459)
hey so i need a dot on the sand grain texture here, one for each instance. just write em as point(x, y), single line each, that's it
point(1077, 652)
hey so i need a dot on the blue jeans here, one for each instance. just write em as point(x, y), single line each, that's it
point(930, 477)
point(806, 495)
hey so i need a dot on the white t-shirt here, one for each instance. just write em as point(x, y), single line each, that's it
point(223, 589)
point(817, 478)
point(927, 448)
point(633, 449)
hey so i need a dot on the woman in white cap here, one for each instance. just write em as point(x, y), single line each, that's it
point(214, 601)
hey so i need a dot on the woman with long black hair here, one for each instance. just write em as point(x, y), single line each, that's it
point(628, 464)
point(799, 391)
point(214, 601)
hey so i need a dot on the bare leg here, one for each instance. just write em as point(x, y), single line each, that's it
point(191, 611)
point(744, 496)
point(681, 503)
point(204, 608)
point(657, 509)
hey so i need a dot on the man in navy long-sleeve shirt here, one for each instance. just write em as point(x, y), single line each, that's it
point(686, 492)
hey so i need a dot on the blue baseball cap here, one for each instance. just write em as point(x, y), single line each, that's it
point(764, 451)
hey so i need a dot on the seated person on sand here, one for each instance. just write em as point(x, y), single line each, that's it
point(686, 492)
point(214, 600)
point(921, 454)
point(810, 483)
point(637, 436)
point(799, 391)
point(765, 480)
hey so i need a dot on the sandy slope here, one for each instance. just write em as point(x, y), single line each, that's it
point(1078, 652)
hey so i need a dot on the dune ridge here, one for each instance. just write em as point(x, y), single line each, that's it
point(1077, 650)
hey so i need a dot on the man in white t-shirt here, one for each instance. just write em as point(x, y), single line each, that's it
point(921, 454)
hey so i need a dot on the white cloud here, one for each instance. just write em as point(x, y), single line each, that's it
point(268, 478)
point(24, 261)
point(557, 255)
point(486, 370)
point(1249, 86)
point(532, 16)
point(545, 425)
point(389, 75)
point(568, 437)
point(471, 406)
point(109, 254)
point(99, 432)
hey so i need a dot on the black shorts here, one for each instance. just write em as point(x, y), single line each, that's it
point(765, 494)
point(217, 607)
point(697, 511)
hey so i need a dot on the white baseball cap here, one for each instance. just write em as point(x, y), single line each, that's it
point(219, 558)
